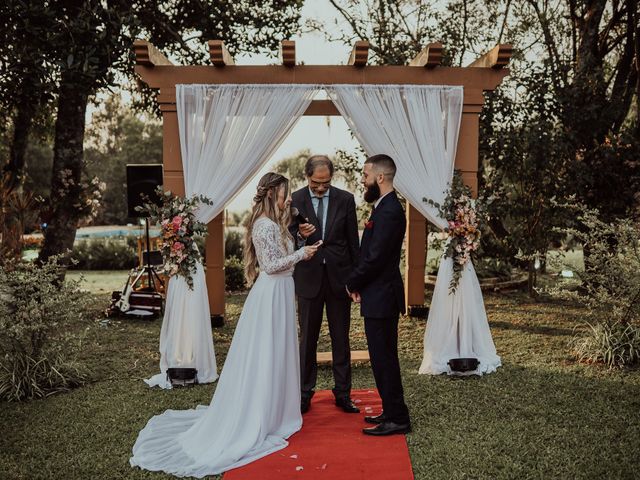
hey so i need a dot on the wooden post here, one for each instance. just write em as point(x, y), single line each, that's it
point(467, 152)
point(415, 262)
point(214, 269)
point(174, 181)
point(172, 160)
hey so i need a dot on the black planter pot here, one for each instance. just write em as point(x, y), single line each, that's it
point(463, 364)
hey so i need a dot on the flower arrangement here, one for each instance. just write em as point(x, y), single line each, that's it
point(462, 214)
point(176, 216)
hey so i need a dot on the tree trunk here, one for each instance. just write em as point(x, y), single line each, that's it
point(532, 281)
point(636, 20)
point(66, 174)
point(21, 128)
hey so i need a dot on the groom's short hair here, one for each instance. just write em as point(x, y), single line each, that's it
point(384, 164)
point(316, 161)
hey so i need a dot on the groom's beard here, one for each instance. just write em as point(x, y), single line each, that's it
point(372, 193)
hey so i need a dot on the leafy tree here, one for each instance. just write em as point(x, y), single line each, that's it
point(87, 45)
point(565, 122)
point(116, 137)
point(292, 167)
point(26, 80)
point(525, 173)
point(609, 288)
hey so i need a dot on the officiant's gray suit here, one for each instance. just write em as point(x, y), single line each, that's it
point(320, 282)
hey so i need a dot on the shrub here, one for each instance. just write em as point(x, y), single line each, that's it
point(609, 288)
point(489, 267)
point(233, 244)
point(234, 274)
point(611, 343)
point(104, 254)
point(37, 347)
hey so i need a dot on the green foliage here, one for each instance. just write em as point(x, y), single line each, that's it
point(117, 136)
point(37, 351)
point(349, 169)
point(293, 168)
point(234, 274)
point(609, 289)
point(233, 244)
point(237, 219)
point(563, 122)
point(491, 267)
point(104, 254)
point(86, 46)
point(615, 344)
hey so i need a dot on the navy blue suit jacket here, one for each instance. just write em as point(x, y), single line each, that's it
point(340, 248)
point(377, 275)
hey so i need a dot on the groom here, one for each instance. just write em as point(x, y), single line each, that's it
point(376, 283)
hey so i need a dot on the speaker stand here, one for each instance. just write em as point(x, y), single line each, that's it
point(148, 269)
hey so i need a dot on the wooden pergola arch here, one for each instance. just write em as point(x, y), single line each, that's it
point(484, 74)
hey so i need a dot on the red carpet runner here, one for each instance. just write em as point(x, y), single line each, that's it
point(331, 445)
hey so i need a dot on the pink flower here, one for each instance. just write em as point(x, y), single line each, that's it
point(176, 222)
point(177, 246)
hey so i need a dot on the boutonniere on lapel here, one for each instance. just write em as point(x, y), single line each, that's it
point(368, 225)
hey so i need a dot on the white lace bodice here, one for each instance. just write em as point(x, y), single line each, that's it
point(274, 255)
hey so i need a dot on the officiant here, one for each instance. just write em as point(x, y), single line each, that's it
point(319, 283)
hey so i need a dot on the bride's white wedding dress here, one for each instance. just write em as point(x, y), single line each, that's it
point(256, 405)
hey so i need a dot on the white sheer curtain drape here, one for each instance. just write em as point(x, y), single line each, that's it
point(227, 133)
point(418, 127)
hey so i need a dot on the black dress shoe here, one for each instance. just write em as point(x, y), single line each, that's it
point(347, 405)
point(377, 420)
point(305, 403)
point(387, 428)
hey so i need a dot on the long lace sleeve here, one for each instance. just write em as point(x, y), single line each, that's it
point(272, 258)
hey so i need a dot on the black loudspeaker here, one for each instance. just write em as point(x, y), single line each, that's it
point(142, 180)
point(154, 257)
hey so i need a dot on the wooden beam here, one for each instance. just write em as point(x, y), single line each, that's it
point(357, 356)
point(496, 58)
point(429, 57)
point(148, 55)
point(166, 77)
point(360, 54)
point(219, 54)
point(322, 108)
point(288, 53)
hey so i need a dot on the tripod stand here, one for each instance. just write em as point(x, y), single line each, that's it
point(152, 275)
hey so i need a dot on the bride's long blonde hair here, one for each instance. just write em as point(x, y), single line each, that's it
point(265, 204)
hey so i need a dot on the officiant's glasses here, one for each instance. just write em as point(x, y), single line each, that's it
point(319, 184)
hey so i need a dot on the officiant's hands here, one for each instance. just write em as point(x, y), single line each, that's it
point(355, 297)
point(310, 250)
point(306, 229)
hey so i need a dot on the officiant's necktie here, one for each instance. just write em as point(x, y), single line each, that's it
point(320, 215)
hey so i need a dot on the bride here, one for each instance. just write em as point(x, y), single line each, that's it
point(256, 405)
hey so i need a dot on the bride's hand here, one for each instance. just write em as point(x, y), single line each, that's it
point(310, 250)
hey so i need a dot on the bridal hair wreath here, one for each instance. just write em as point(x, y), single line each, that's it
point(176, 216)
point(463, 215)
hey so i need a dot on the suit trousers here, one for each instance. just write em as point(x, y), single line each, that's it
point(339, 318)
point(382, 339)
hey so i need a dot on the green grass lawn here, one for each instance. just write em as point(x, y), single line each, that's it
point(540, 416)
